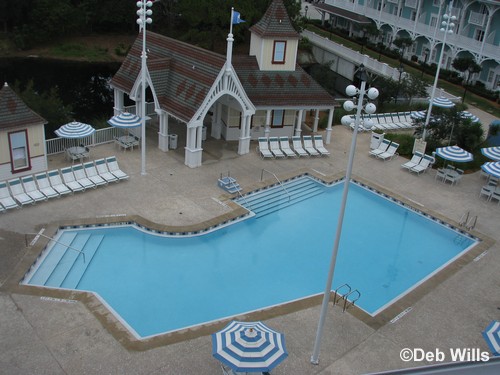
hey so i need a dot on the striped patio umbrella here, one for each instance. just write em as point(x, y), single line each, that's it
point(492, 168)
point(442, 102)
point(468, 115)
point(75, 129)
point(491, 152)
point(492, 337)
point(249, 347)
point(454, 153)
point(125, 120)
point(418, 115)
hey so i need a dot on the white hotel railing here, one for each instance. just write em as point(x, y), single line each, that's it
point(101, 136)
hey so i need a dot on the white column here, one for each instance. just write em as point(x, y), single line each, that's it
point(329, 127)
point(193, 150)
point(267, 129)
point(216, 121)
point(316, 121)
point(163, 132)
point(244, 141)
point(118, 100)
point(298, 125)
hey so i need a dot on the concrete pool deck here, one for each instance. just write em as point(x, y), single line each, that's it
point(40, 335)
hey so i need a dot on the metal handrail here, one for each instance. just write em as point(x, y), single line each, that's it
point(277, 179)
point(56, 241)
point(341, 295)
point(348, 303)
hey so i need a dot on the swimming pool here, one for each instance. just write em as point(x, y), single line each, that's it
point(158, 284)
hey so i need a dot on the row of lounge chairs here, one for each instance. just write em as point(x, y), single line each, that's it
point(386, 121)
point(419, 163)
point(386, 150)
point(492, 190)
point(56, 183)
point(279, 147)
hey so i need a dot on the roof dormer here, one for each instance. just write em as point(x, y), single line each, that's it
point(274, 41)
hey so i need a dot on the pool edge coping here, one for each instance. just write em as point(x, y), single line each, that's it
point(127, 339)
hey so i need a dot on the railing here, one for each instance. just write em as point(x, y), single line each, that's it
point(277, 179)
point(101, 136)
point(56, 241)
point(150, 109)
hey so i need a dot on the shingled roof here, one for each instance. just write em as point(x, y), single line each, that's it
point(181, 73)
point(285, 89)
point(275, 23)
point(14, 112)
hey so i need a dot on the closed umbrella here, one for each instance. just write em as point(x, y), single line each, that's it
point(492, 153)
point(454, 153)
point(74, 130)
point(249, 347)
point(442, 102)
point(492, 168)
point(125, 120)
point(492, 337)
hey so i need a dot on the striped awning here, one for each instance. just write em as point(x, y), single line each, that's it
point(492, 153)
point(492, 337)
point(442, 102)
point(454, 153)
point(75, 129)
point(470, 116)
point(125, 120)
point(249, 346)
point(492, 168)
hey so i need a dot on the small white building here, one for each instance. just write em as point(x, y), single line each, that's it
point(264, 93)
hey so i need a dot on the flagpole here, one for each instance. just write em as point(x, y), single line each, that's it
point(231, 23)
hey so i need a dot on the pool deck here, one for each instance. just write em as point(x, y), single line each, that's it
point(40, 335)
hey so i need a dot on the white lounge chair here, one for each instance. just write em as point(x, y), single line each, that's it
point(44, 185)
point(297, 146)
point(57, 183)
point(274, 146)
point(390, 153)
point(415, 160)
point(423, 165)
point(92, 175)
point(285, 147)
point(70, 181)
point(382, 147)
point(32, 190)
point(318, 145)
point(81, 177)
point(18, 192)
point(263, 148)
point(115, 169)
point(309, 147)
point(487, 191)
point(102, 169)
point(5, 198)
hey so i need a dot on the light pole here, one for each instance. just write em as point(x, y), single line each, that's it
point(448, 26)
point(144, 12)
point(306, 8)
point(401, 69)
point(370, 108)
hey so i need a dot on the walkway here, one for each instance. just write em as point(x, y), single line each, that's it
point(43, 336)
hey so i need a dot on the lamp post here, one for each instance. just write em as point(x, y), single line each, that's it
point(144, 12)
point(369, 108)
point(401, 69)
point(306, 8)
point(363, 40)
point(426, 56)
point(448, 26)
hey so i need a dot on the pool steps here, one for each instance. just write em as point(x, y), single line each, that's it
point(264, 202)
point(64, 268)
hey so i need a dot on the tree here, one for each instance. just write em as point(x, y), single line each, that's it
point(413, 86)
point(469, 65)
point(402, 43)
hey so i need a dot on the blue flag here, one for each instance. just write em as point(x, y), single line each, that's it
point(237, 18)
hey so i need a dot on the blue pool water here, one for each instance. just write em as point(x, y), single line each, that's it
point(158, 284)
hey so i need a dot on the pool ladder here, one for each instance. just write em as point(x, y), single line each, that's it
point(466, 223)
point(348, 302)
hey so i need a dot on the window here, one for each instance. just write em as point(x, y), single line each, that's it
point(19, 153)
point(279, 52)
point(278, 118)
point(479, 35)
point(491, 73)
point(433, 21)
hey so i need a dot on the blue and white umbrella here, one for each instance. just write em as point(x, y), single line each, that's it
point(491, 152)
point(454, 153)
point(442, 102)
point(75, 130)
point(470, 116)
point(249, 347)
point(492, 337)
point(417, 115)
point(125, 120)
point(492, 168)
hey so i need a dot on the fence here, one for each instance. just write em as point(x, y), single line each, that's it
point(100, 136)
